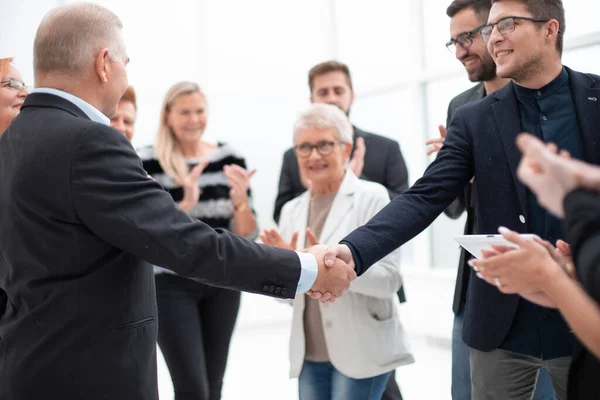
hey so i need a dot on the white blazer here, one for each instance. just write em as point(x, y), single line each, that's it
point(363, 332)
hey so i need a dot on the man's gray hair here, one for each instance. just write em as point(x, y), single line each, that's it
point(325, 116)
point(70, 37)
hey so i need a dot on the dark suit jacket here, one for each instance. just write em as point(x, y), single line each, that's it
point(582, 221)
point(464, 202)
point(384, 164)
point(78, 215)
point(480, 143)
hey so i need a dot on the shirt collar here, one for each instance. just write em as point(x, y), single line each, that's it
point(89, 110)
point(551, 88)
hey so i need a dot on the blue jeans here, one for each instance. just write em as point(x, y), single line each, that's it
point(461, 370)
point(321, 381)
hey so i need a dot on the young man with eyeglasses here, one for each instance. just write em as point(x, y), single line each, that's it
point(467, 17)
point(510, 339)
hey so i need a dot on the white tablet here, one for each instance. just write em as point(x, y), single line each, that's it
point(475, 243)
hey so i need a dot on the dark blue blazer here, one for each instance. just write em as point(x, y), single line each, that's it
point(480, 143)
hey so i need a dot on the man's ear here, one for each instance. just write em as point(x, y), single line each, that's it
point(102, 65)
point(553, 29)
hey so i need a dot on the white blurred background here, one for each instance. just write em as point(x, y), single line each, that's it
point(252, 60)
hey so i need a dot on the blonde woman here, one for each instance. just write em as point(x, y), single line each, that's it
point(210, 182)
point(345, 350)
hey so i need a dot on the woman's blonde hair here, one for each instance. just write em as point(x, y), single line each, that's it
point(166, 145)
point(4, 65)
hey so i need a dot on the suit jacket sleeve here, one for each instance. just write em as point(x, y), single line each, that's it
point(582, 221)
point(285, 191)
point(383, 279)
point(116, 201)
point(458, 206)
point(410, 213)
point(3, 302)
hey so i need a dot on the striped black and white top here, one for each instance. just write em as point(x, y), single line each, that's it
point(214, 207)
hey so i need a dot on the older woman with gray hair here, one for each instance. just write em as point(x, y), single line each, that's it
point(348, 349)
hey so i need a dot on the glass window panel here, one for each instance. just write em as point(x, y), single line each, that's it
point(581, 17)
point(268, 52)
point(373, 38)
point(436, 33)
point(445, 251)
point(19, 21)
point(586, 59)
point(393, 114)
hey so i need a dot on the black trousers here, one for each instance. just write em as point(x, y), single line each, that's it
point(392, 391)
point(195, 326)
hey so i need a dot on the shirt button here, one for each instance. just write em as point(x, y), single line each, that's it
point(522, 219)
point(539, 93)
point(544, 118)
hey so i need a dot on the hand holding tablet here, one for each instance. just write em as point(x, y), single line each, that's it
point(475, 243)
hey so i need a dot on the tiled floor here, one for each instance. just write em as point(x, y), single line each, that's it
point(258, 362)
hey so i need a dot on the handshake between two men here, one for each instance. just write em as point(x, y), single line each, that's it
point(336, 268)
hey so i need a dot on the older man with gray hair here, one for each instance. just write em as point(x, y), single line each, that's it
point(80, 224)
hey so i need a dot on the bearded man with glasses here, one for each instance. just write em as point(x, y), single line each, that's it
point(467, 17)
point(510, 338)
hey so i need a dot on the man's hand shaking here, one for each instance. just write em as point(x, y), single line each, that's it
point(336, 271)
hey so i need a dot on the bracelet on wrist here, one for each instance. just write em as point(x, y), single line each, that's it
point(240, 207)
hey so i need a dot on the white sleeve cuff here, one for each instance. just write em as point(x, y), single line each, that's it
point(308, 273)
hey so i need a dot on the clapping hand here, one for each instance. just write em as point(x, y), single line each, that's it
point(551, 174)
point(436, 144)
point(271, 237)
point(239, 181)
point(191, 189)
point(357, 163)
point(525, 270)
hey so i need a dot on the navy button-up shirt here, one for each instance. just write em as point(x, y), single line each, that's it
point(549, 113)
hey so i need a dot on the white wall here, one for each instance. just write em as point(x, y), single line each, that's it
point(252, 59)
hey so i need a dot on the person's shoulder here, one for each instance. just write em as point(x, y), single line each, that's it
point(372, 190)
point(289, 152)
point(477, 108)
point(146, 153)
point(374, 137)
point(224, 150)
point(472, 94)
point(100, 135)
point(587, 78)
point(292, 205)
point(225, 154)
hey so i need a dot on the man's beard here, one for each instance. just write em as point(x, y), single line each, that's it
point(487, 72)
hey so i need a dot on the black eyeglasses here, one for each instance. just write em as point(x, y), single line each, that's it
point(323, 147)
point(15, 84)
point(505, 26)
point(465, 40)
